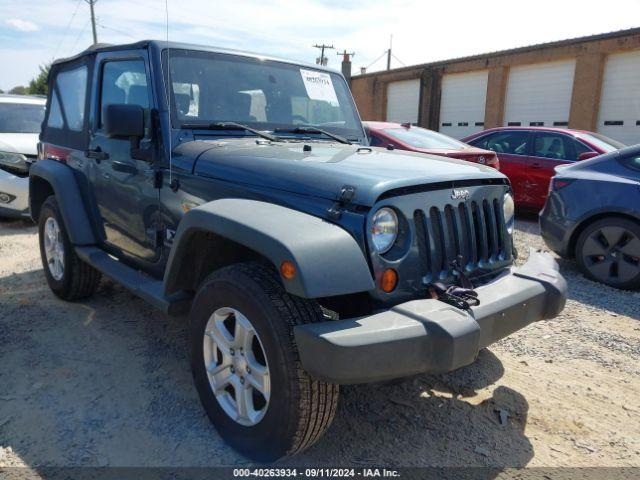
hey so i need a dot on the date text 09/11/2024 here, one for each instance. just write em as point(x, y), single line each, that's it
point(316, 472)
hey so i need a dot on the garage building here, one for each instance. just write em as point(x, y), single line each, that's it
point(590, 83)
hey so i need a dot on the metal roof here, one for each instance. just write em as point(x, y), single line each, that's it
point(162, 45)
point(497, 53)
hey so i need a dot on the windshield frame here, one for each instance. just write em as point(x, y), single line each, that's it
point(356, 135)
point(33, 105)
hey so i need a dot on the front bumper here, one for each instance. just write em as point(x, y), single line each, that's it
point(17, 190)
point(429, 336)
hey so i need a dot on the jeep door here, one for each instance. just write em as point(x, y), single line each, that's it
point(123, 187)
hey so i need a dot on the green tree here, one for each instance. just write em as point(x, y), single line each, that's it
point(19, 90)
point(38, 85)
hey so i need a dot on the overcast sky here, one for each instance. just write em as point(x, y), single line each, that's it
point(34, 32)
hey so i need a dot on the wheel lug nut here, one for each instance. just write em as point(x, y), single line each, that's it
point(233, 370)
point(232, 351)
point(242, 380)
point(248, 370)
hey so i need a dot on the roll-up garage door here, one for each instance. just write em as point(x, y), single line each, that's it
point(540, 94)
point(403, 99)
point(619, 115)
point(462, 103)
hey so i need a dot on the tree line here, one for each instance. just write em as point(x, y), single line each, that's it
point(37, 85)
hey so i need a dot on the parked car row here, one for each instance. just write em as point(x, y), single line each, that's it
point(528, 156)
point(20, 120)
point(591, 207)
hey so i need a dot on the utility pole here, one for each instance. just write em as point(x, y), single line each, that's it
point(323, 60)
point(389, 53)
point(93, 20)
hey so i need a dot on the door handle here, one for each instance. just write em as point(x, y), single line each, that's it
point(536, 166)
point(123, 167)
point(96, 154)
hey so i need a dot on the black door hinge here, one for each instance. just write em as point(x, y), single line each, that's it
point(157, 179)
point(345, 197)
point(159, 238)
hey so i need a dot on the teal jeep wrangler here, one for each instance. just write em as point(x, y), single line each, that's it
point(241, 190)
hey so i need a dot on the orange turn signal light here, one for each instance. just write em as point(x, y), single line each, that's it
point(288, 269)
point(389, 280)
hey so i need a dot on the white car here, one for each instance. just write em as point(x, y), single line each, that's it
point(20, 120)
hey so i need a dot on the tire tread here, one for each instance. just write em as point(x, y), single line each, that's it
point(84, 279)
point(317, 400)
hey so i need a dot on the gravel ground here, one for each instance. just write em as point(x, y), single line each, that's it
point(106, 381)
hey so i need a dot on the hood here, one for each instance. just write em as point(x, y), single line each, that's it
point(322, 171)
point(25, 143)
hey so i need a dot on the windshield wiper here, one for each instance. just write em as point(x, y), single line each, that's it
point(311, 129)
point(229, 126)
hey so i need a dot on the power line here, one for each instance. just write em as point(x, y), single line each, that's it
point(121, 32)
point(376, 60)
point(84, 29)
point(398, 60)
point(66, 29)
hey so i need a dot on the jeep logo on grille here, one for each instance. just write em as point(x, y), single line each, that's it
point(459, 194)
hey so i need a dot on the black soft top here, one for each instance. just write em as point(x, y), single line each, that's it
point(160, 45)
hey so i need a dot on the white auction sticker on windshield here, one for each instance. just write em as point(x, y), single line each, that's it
point(319, 86)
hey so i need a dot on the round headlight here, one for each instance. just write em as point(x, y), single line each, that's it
point(384, 229)
point(508, 210)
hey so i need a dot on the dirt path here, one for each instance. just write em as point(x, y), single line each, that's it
point(106, 382)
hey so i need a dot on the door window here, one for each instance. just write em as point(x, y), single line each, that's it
point(68, 100)
point(557, 147)
point(124, 82)
point(515, 143)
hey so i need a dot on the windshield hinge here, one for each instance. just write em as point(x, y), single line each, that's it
point(345, 197)
point(157, 179)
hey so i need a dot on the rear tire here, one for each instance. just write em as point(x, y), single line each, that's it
point(297, 409)
point(608, 251)
point(68, 276)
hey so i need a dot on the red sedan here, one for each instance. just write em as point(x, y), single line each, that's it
point(528, 156)
point(416, 139)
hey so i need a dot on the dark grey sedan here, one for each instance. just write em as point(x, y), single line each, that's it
point(592, 214)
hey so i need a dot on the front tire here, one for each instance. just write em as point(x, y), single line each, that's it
point(68, 276)
point(608, 251)
point(246, 366)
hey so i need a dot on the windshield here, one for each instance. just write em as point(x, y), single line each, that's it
point(601, 141)
point(422, 138)
point(20, 117)
point(267, 95)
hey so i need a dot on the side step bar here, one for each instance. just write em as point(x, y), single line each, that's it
point(136, 282)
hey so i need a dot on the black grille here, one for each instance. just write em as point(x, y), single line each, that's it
point(472, 230)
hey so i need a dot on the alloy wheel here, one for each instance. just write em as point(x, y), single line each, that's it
point(612, 254)
point(54, 248)
point(236, 366)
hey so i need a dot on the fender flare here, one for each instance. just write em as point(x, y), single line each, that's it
point(328, 260)
point(65, 187)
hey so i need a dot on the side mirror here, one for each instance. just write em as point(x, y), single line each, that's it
point(586, 155)
point(126, 121)
point(391, 146)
